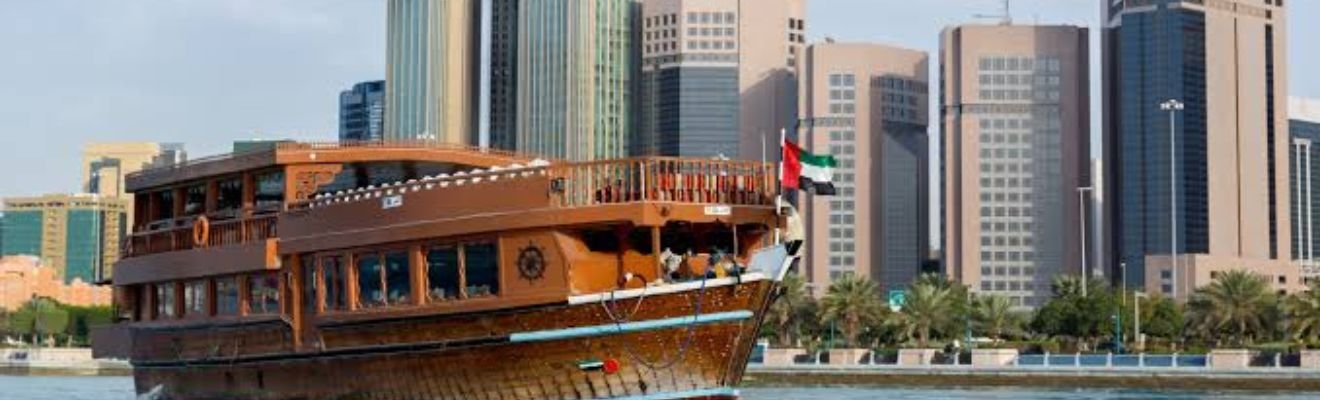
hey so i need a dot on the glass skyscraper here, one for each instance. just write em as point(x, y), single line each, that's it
point(1304, 160)
point(1220, 60)
point(432, 71)
point(77, 235)
point(362, 112)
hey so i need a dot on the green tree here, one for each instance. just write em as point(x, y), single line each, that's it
point(930, 306)
point(792, 314)
point(850, 303)
point(1161, 318)
point(1237, 304)
point(1304, 313)
point(993, 316)
point(1081, 316)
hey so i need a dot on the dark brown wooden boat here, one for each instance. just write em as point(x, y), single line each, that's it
point(412, 271)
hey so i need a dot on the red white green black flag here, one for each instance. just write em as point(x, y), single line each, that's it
point(805, 171)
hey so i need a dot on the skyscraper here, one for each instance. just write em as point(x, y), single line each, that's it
point(362, 112)
point(689, 82)
point(1016, 150)
point(571, 68)
point(1213, 186)
point(77, 235)
point(432, 71)
point(867, 104)
point(772, 38)
point(104, 165)
point(1304, 184)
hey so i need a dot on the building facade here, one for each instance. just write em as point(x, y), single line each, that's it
point(105, 165)
point(78, 236)
point(772, 39)
point(432, 71)
point(689, 100)
point(24, 278)
point(1016, 150)
point(1224, 62)
point(362, 112)
point(1304, 163)
point(868, 106)
point(563, 77)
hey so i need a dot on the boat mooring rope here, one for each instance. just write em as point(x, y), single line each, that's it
point(687, 341)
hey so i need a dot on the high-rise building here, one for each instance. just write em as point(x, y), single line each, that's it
point(1304, 160)
point(362, 112)
point(1195, 137)
point(432, 71)
point(104, 165)
point(571, 68)
point(1016, 150)
point(689, 103)
point(772, 39)
point(868, 106)
point(77, 235)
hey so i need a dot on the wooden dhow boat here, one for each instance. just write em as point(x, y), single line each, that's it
point(402, 271)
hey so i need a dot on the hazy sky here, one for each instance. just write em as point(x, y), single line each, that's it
point(208, 72)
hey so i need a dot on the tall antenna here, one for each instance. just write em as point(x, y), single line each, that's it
point(1005, 17)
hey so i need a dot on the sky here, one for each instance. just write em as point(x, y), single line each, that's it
point(208, 72)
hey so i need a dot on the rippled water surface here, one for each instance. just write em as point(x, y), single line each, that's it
point(121, 388)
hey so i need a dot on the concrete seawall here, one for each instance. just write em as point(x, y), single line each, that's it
point(1288, 379)
point(58, 362)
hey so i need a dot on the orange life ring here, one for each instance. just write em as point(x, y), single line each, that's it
point(201, 231)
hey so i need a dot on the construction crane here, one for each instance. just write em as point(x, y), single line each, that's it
point(1006, 16)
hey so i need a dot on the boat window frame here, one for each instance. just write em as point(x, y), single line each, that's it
point(459, 286)
point(381, 254)
point(251, 291)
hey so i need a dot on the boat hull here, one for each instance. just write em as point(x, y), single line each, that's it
point(691, 343)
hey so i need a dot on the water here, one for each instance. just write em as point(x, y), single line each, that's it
point(121, 388)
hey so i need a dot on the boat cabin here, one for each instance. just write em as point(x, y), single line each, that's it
point(315, 236)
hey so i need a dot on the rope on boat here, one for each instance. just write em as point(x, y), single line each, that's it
point(687, 341)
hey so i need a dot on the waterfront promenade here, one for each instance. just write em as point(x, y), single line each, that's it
point(59, 362)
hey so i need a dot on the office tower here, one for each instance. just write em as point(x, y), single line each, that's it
point(104, 165)
point(1226, 204)
point(362, 112)
point(503, 64)
point(77, 235)
point(772, 38)
point(1304, 184)
point(1016, 150)
point(689, 80)
point(432, 71)
point(570, 68)
point(868, 106)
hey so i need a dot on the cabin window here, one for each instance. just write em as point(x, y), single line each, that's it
point(270, 190)
point(194, 298)
point(442, 273)
point(166, 205)
point(195, 200)
point(332, 270)
point(264, 294)
point(601, 241)
point(165, 300)
point(230, 195)
point(309, 279)
point(398, 278)
point(226, 296)
point(369, 281)
point(483, 269)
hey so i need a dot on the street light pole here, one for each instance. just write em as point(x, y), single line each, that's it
point(1081, 217)
point(1136, 319)
point(1173, 106)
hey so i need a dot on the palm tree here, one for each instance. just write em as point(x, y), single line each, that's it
point(1237, 302)
point(850, 302)
point(928, 308)
point(790, 310)
point(994, 316)
point(1303, 310)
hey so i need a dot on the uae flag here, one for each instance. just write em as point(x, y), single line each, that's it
point(805, 171)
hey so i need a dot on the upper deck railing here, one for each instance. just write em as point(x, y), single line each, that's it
point(569, 185)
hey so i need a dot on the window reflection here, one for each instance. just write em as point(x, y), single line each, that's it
point(194, 298)
point(230, 195)
point(442, 274)
point(482, 261)
point(310, 277)
point(226, 296)
point(270, 190)
point(398, 280)
point(165, 300)
point(264, 295)
point(369, 281)
point(332, 269)
point(195, 200)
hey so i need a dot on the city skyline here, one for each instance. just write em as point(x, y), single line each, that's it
point(300, 54)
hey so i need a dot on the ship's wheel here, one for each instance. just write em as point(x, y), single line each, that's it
point(531, 262)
